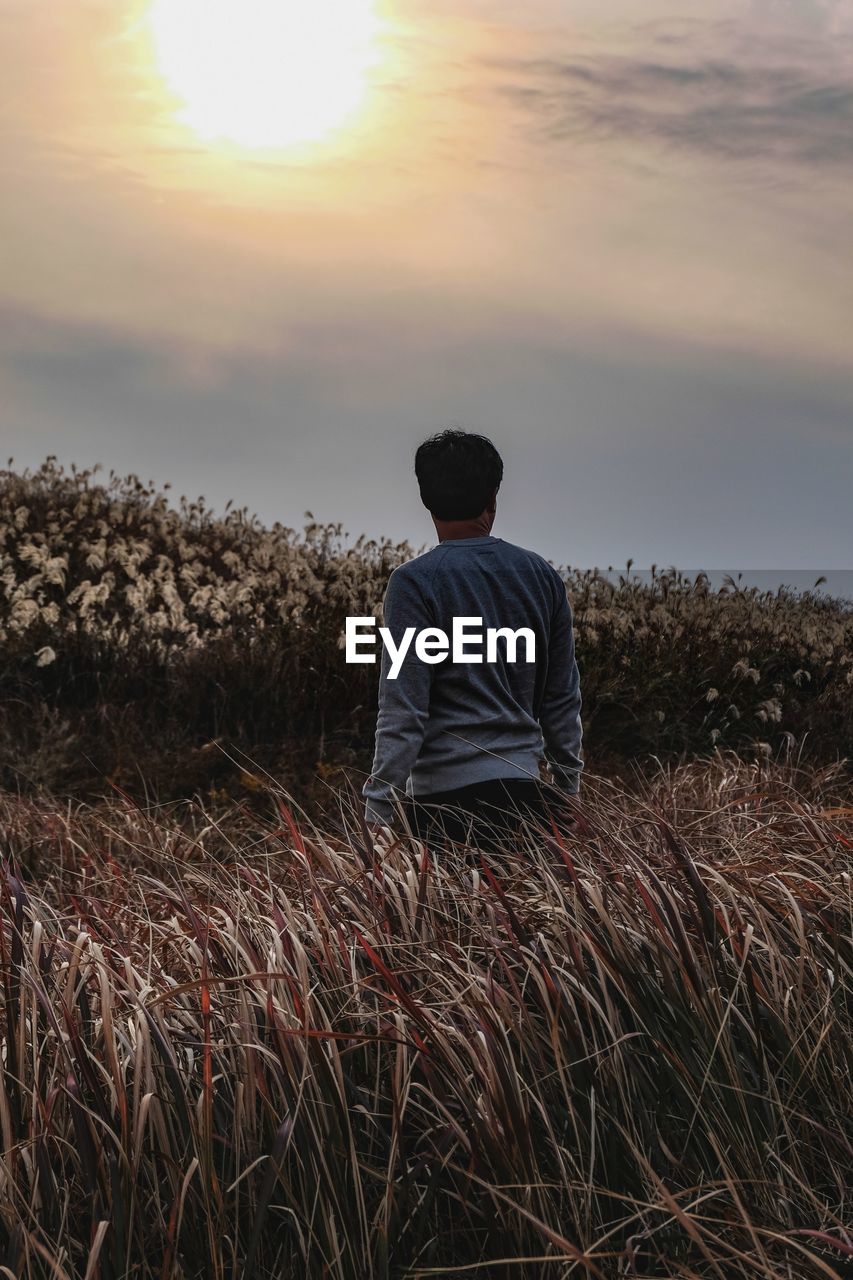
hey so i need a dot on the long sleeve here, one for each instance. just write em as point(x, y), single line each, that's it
point(403, 702)
point(561, 704)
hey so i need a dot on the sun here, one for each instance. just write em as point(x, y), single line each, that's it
point(266, 73)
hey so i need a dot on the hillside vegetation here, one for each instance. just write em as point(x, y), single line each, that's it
point(147, 640)
point(240, 1040)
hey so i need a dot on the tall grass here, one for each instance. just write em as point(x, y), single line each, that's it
point(251, 1046)
point(136, 632)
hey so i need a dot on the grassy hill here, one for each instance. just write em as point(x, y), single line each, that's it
point(239, 1040)
point(140, 637)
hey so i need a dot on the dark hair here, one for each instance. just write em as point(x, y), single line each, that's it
point(457, 473)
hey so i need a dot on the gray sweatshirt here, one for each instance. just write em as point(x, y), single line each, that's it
point(449, 724)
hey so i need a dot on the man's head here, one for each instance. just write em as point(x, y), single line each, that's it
point(458, 474)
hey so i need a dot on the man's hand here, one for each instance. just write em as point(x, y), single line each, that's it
point(570, 815)
point(567, 810)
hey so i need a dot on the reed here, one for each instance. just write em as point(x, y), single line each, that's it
point(253, 1045)
point(138, 634)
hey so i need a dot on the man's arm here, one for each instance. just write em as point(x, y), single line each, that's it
point(561, 704)
point(403, 702)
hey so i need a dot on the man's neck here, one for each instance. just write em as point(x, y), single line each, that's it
point(477, 527)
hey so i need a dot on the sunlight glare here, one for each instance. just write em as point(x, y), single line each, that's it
point(266, 73)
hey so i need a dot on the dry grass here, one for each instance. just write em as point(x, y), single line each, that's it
point(249, 1047)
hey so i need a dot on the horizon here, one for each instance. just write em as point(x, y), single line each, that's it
point(837, 584)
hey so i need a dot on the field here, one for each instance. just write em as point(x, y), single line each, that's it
point(238, 1047)
point(241, 1040)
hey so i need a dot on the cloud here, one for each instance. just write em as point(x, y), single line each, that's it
point(720, 108)
point(643, 445)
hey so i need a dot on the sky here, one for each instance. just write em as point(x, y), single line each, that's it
point(616, 236)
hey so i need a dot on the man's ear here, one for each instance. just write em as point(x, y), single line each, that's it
point(492, 503)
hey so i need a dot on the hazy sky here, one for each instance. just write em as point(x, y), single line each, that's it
point(616, 235)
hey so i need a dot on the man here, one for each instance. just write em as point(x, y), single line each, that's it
point(463, 742)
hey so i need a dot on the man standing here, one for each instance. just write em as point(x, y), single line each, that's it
point(462, 739)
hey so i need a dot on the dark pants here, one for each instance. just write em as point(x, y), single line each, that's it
point(483, 814)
